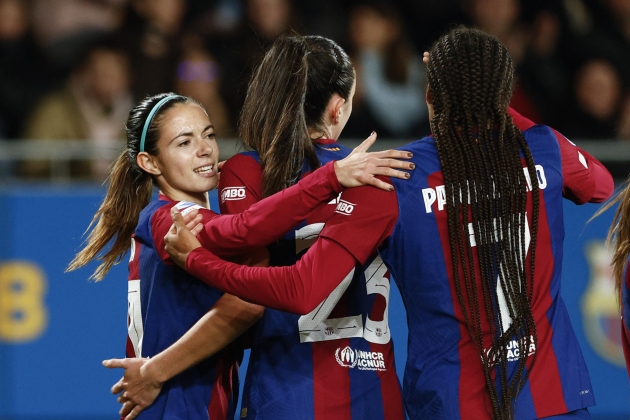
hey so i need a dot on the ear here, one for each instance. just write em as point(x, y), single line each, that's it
point(335, 108)
point(148, 163)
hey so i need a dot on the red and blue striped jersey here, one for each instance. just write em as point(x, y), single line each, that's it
point(164, 302)
point(335, 362)
point(443, 376)
point(625, 313)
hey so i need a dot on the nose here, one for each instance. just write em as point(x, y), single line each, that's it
point(205, 148)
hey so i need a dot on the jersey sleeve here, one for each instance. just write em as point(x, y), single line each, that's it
point(297, 289)
point(364, 217)
point(585, 179)
point(239, 185)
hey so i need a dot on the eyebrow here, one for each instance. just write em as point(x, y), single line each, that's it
point(189, 133)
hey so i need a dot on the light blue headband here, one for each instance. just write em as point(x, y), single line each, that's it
point(147, 123)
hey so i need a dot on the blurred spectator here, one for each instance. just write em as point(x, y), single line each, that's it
point(598, 90)
point(152, 38)
point(390, 77)
point(198, 76)
point(24, 73)
point(93, 106)
point(543, 74)
point(240, 51)
point(501, 18)
point(67, 28)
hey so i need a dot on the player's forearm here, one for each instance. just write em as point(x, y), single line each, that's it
point(296, 289)
point(226, 321)
point(270, 218)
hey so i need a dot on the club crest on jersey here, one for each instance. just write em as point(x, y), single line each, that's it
point(232, 193)
point(599, 306)
point(363, 360)
point(345, 207)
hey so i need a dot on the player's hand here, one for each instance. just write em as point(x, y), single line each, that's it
point(360, 167)
point(180, 240)
point(425, 57)
point(192, 221)
point(137, 388)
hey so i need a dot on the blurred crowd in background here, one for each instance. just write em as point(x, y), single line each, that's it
point(72, 69)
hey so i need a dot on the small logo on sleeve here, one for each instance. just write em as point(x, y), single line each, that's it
point(345, 208)
point(232, 193)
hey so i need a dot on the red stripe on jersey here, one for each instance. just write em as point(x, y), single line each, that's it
point(134, 261)
point(473, 398)
point(390, 389)
point(331, 382)
point(544, 379)
point(226, 371)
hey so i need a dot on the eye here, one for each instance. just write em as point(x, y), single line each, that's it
point(210, 136)
point(183, 143)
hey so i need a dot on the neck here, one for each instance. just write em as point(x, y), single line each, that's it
point(197, 198)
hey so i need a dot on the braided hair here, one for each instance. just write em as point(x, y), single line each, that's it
point(483, 154)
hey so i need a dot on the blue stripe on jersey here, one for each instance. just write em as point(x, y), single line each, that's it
point(430, 338)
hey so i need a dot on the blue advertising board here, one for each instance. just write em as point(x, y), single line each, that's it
point(56, 327)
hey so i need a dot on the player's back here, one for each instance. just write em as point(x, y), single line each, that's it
point(443, 376)
point(164, 302)
point(320, 365)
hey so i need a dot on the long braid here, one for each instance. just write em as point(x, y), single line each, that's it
point(471, 77)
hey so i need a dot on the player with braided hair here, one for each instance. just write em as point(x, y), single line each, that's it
point(474, 242)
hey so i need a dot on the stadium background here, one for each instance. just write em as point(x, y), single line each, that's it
point(70, 70)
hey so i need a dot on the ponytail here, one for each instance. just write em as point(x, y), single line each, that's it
point(128, 193)
point(287, 95)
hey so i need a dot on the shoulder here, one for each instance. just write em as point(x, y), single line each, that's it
point(143, 229)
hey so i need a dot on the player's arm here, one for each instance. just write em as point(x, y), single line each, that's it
point(268, 219)
point(143, 378)
point(300, 288)
point(585, 179)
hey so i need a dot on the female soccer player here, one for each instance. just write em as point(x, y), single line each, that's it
point(171, 144)
point(297, 104)
point(474, 240)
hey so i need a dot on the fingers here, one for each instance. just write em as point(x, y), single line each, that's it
point(425, 57)
point(197, 229)
point(126, 409)
point(220, 165)
point(191, 223)
point(118, 387)
point(116, 363)
point(134, 413)
point(375, 182)
point(391, 153)
point(366, 144)
point(178, 220)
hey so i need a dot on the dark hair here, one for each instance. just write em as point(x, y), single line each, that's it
point(288, 93)
point(471, 78)
point(128, 192)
